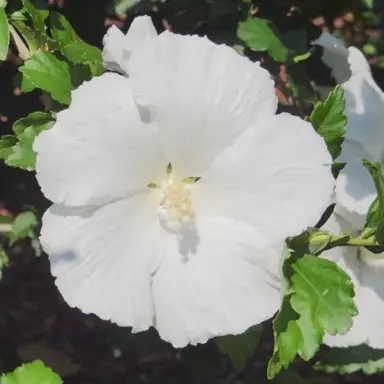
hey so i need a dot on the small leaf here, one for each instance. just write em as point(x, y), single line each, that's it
point(260, 35)
point(123, 6)
point(376, 212)
point(4, 35)
point(240, 348)
point(31, 373)
point(352, 359)
point(22, 226)
point(4, 261)
point(38, 14)
point(329, 120)
point(47, 72)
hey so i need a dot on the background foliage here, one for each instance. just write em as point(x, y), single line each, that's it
point(35, 323)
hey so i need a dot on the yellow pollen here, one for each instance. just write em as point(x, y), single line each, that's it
point(175, 204)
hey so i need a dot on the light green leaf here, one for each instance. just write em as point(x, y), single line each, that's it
point(61, 29)
point(22, 227)
point(4, 35)
point(240, 348)
point(260, 35)
point(38, 14)
point(329, 120)
point(376, 212)
point(6, 144)
point(31, 373)
point(46, 71)
point(123, 6)
point(324, 293)
point(352, 359)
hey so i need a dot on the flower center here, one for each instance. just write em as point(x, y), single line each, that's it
point(371, 259)
point(175, 207)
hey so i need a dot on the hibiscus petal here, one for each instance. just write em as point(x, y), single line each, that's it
point(219, 279)
point(201, 96)
point(276, 176)
point(99, 149)
point(355, 190)
point(103, 257)
point(119, 47)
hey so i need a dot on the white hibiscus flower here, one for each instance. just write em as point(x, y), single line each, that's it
point(174, 214)
point(355, 189)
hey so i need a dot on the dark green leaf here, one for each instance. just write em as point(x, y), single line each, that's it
point(31, 373)
point(375, 218)
point(352, 359)
point(61, 29)
point(4, 34)
point(240, 348)
point(329, 120)
point(46, 71)
point(22, 226)
point(123, 6)
point(38, 14)
point(6, 144)
point(260, 35)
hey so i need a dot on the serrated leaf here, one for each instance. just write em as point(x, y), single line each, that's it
point(26, 130)
point(31, 373)
point(329, 120)
point(73, 47)
point(4, 35)
point(324, 293)
point(352, 359)
point(47, 72)
point(6, 144)
point(22, 226)
point(376, 212)
point(38, 14)
point(240, 348)
point(260, 35)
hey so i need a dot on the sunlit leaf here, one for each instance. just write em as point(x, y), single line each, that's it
point(22, 226)
point(4, 34)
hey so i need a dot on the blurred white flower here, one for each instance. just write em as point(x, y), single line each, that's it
point(355, 190)
point(174, 189)
point(366, 271)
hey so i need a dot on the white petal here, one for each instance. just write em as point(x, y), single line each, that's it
point(355, 190)
point(201, 96)
point(364, 108)
point(276, 176)
point(335, 56)
point(99, 149)
point(119, 47)
point(357, 61)
point(369, 289)
point(218, 280)
point(103, 257)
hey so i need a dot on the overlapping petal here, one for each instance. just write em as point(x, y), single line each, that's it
point(103, 258)
point(276, 176)
point(119, 47)
point(99, 149)
point(201, 96)
point(220, 279)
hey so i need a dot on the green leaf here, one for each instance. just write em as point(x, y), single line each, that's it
point(31, 373)
point(46, 71)
point(4, 262)
point(324, 293)
point(6, 144)
point(329, 120)
point(240, 348)
point(368, 3)
point(260, 35)
point(123, 6)
point(4, 35)
point(38, 14)
point(73, 47)
point(375, 218)
point(32, 38)
point(352, 359)
point(22, 226)
point(26, 130)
